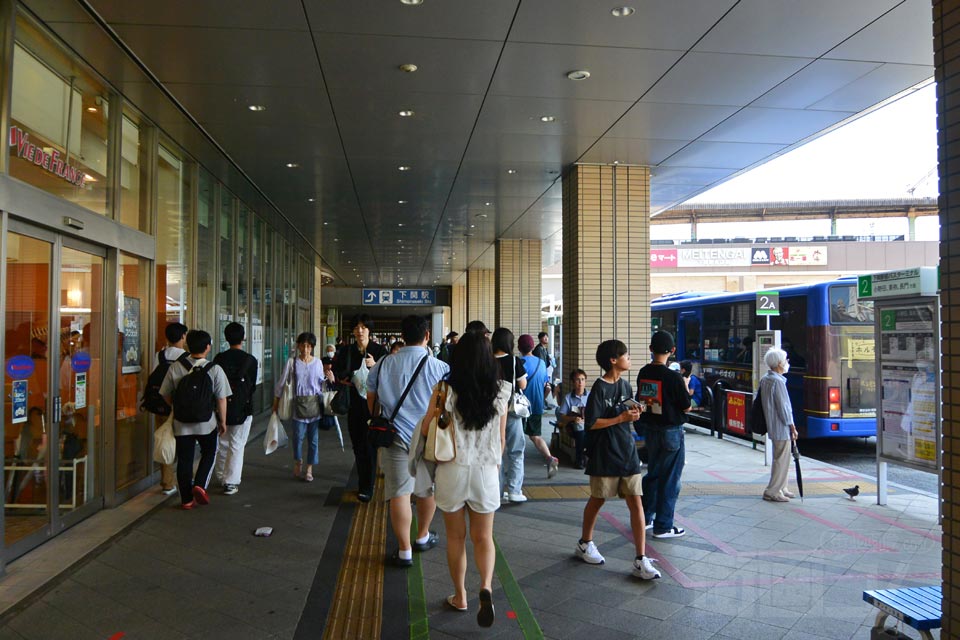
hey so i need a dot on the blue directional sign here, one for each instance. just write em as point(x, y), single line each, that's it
point(391, 297)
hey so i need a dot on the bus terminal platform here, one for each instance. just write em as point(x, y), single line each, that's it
point(745, 569)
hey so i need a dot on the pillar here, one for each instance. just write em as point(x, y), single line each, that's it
point(693, 227)
point(458, 306)
point(518, 285)
point(946, 35)
point(911, 225)
point(606, 262)
point(481, 296)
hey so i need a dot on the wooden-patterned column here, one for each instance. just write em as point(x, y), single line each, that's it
point(481, 297)
point(519, 285)
point(606, 262)
point(458, 306)
point(946, 36)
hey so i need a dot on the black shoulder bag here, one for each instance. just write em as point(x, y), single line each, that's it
point(381, 431)
point(340, 404)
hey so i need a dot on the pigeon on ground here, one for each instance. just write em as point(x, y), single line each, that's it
point(853, 491)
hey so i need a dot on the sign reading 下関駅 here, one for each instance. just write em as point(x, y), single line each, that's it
point(919, 281)
point(384, 297)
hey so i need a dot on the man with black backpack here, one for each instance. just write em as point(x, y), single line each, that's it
point(198, 391)
point(176, 334)
point(241, 370)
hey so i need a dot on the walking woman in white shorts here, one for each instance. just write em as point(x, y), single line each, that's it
point(477, 406)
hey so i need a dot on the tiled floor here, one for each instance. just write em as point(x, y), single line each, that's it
point(746, 568)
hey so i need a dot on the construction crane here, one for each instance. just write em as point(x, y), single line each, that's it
point(913, 187)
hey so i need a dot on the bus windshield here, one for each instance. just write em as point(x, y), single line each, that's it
point(845, 308)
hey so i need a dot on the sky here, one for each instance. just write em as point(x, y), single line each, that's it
point(879, 155)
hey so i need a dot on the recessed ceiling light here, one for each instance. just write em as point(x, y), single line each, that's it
point(408, 68)
point(325, 223)
point(511, 171)
point(292, 165)
point(399, 224)
point(622, 12)
point(92, 109)
point(547, 118)
point(487, 204)
point(481, 215)
point(411, 2)
point(473, 226)
point(312, 200)
point(256, 107)
point(579, 74)
point(401, 202)
point(336, 239)
point(403, 167)
point(349, 262)
point(406, 113)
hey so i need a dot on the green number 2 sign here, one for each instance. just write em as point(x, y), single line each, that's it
point(888, 320)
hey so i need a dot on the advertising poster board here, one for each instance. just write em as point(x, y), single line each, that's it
point(908, 428)
point(131, 356)
point(256, 349)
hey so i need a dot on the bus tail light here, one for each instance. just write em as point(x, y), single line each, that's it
point(834, 426)
point(834, 397)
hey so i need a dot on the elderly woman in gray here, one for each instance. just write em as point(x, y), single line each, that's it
point(780, 428)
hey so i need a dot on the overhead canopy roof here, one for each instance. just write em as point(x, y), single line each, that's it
point(697, 89)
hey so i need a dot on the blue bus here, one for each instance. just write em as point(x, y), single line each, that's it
point(825, 330)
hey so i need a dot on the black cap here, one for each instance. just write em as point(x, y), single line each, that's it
point(452, 334)
point(661, 342)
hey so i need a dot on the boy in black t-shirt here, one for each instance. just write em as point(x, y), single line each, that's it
point(613, 465)
point(667, 399)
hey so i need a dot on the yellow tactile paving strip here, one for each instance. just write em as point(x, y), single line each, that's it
point(358, 604)
point(819, 488)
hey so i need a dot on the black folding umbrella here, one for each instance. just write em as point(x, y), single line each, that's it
point(796, 462)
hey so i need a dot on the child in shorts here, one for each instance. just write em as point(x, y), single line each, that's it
point(613, 464)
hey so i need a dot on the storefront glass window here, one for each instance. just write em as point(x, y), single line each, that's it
point(134, 363)
point(174, 231)
point(227, 285)
point(243, 251)
point(134, 171)
point(255, 343)
point(58, 123)
point(266, 363)
point(206, 256)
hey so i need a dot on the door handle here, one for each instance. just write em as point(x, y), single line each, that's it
point(56, 409)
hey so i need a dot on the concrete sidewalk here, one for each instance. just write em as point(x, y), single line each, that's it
point(746, 568)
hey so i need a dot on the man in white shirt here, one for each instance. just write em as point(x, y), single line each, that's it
point(176, 334)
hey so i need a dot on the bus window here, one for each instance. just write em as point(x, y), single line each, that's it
point(845, 308)
point(792, 323)
point(691, 338)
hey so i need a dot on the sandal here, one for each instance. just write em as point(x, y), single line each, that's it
point(486, 614)
point(449, 604)
point(308, 477)
point(296, 469)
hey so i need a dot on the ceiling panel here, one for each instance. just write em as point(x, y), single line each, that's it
point(881, 83)
point(444, 66)
point(687, 175)
point(241, 14)
point(814, 83)
point(461, 19)
point(721, 155)
point(723, 79)
point(776, 126)
point(229, 104)
point(909, 25)
point(510, 114)
point(264, 58)
point(655, 25)
point(668, 121)
point(790, 28)
point(632, 151)
point(616, 74)
point(508, 149)
point(363, 109)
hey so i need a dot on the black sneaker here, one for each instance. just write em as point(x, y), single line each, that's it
point(400, 562)
point(364, 497)
point(431, 542)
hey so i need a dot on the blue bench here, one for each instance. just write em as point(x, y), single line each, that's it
point(918, 607)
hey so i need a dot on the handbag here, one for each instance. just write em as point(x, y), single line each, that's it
point(164, 444)
point(340, 403)
point(285, 406)
point(305, 407)
point(382, 431)
point(519, 402)
point(441, 441)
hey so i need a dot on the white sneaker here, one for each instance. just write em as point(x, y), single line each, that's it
point(587, 551)
point(675, 532)
point(505, 497)
point(169, 492)
point(643, 568)
point(516, 497)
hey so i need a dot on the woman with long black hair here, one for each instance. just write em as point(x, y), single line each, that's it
point(350, 364)
point(476, 402)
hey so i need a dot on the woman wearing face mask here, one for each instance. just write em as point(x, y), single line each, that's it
point(363, 351)
point(779, 416)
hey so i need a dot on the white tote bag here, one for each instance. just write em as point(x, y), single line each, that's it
point(276, 435)
point(164, 444)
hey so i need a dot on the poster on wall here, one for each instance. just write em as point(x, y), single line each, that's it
point(909, 423)
point(80, 391)
point(256, 349)
point(131, 354)
point(18, 397)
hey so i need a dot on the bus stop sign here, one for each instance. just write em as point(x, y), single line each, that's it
point(768, 303)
